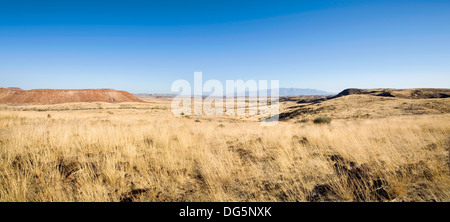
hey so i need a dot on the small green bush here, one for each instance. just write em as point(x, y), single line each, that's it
point(322, 119)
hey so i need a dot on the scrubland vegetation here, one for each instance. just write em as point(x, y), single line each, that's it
point(141, 152)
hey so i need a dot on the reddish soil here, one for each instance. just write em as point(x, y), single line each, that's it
point(55, 96)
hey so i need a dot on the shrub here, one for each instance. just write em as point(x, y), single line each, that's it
point(322, 119)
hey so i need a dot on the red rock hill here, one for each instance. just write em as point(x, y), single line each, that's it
point(54, 96)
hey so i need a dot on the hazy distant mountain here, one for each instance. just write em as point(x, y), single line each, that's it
point(282, 92)
point(297, 92)
point(302, 92)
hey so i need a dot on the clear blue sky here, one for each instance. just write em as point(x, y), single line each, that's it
point(143, 46)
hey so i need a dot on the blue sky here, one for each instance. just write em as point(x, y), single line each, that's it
point(144, 46)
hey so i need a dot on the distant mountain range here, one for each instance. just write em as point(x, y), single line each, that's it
point(282, 92)
point(303, 92)
point(297, 92)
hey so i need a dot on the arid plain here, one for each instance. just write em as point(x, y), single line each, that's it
point(375, 145)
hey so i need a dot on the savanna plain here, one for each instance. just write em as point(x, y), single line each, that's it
point(356, 147)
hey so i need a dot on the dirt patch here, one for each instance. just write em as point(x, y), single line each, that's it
point(356, 177)
point(323, 192)
point(20, 162)
point(132, 195)
point(68, 168)
point(360, 179)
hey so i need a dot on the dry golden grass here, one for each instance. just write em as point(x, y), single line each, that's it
point(141, 152)
point(366, 107)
